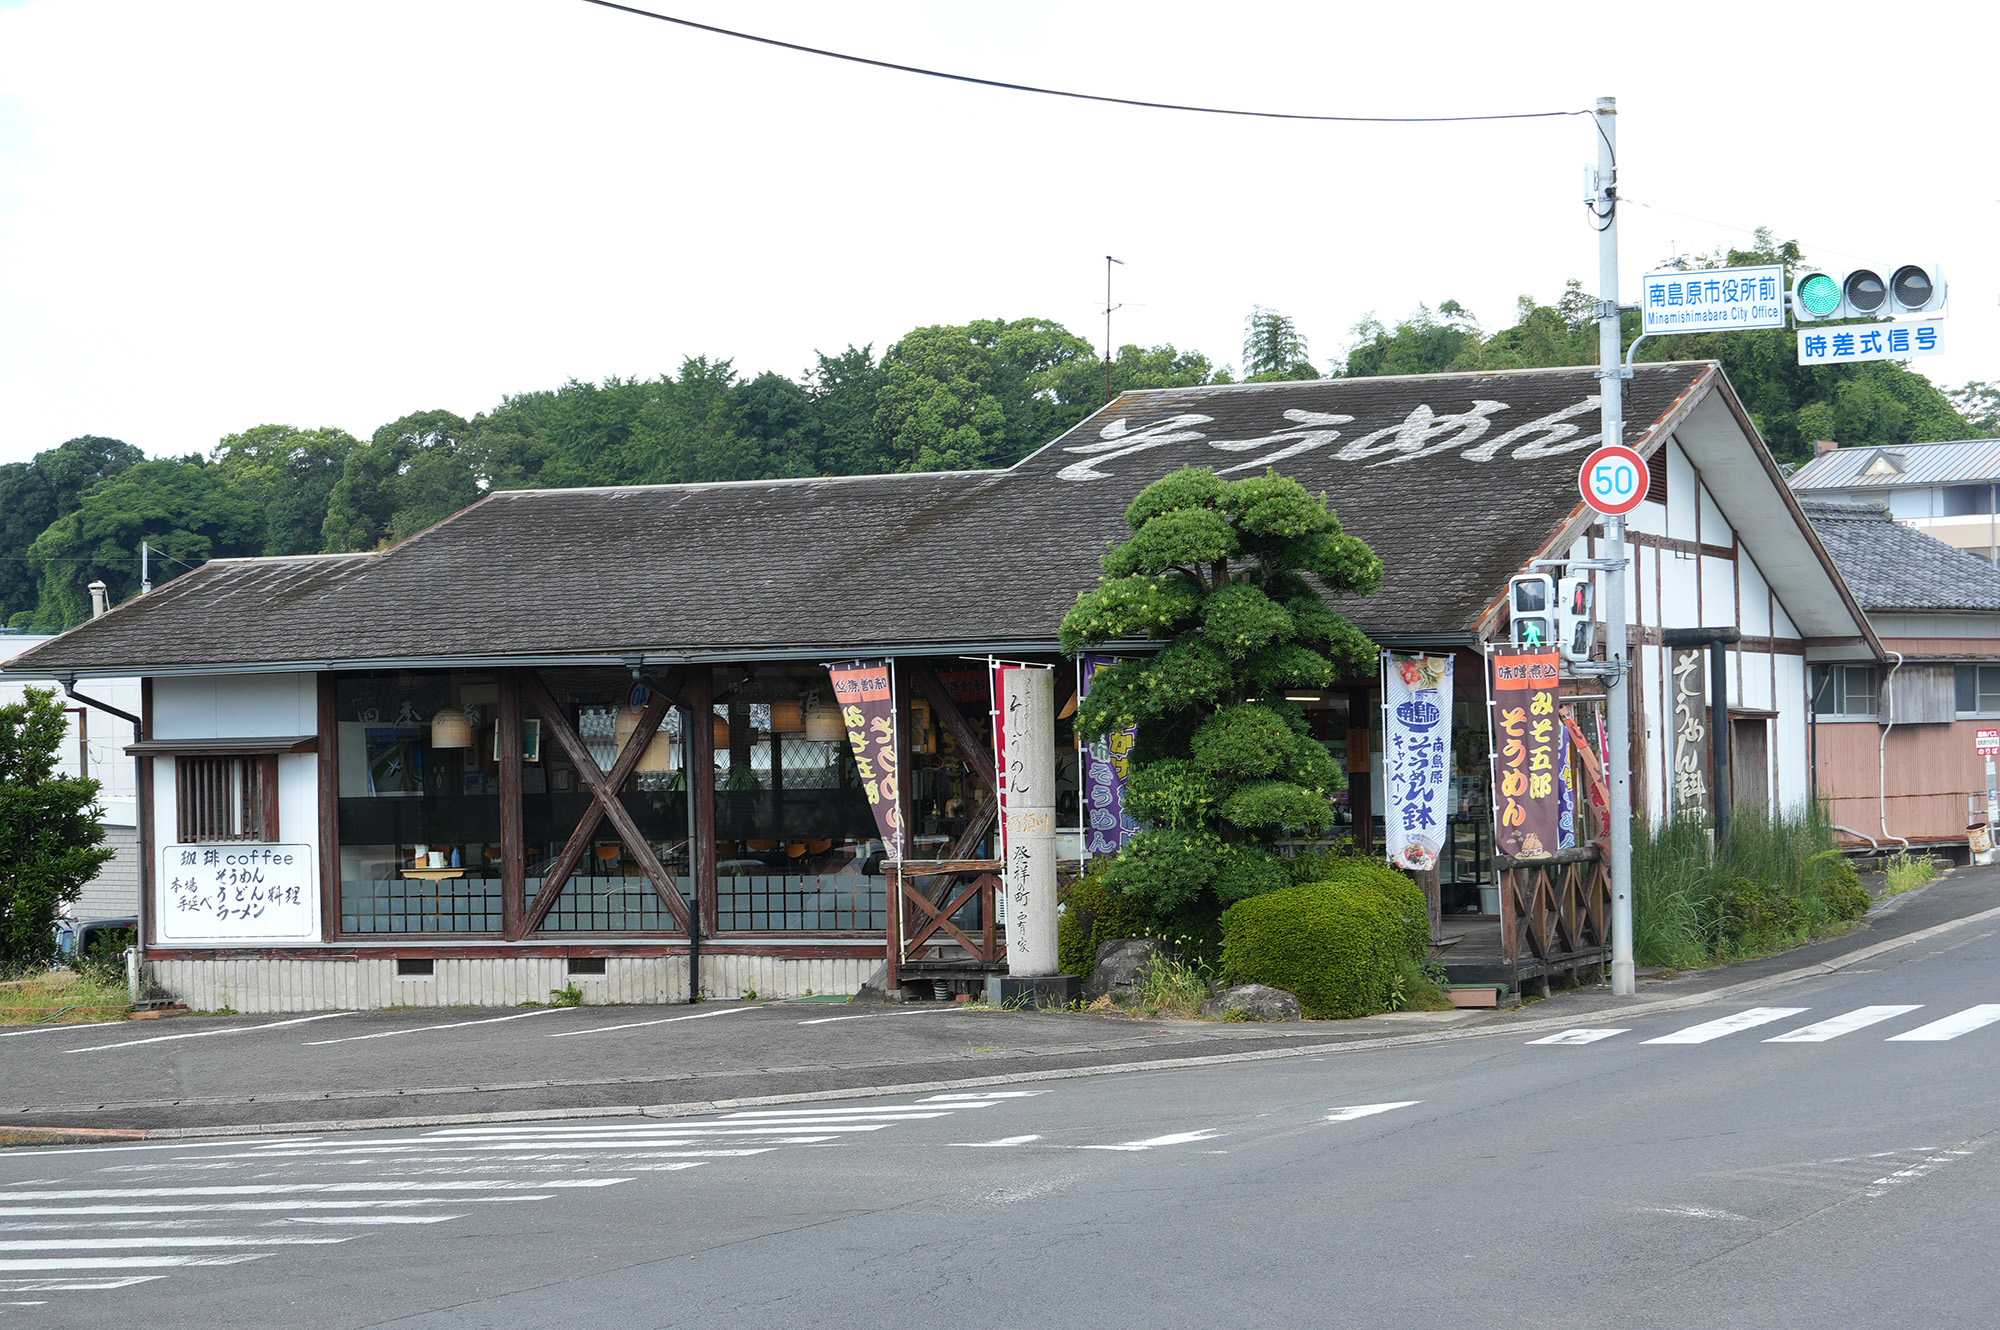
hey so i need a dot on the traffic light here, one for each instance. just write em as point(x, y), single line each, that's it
point(1531, 599)
point(1864, 293)
point(1576, 619)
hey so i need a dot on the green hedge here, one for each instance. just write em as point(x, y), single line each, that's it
point(1335, 943)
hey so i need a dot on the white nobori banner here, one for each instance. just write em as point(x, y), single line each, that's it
point(1417, 757)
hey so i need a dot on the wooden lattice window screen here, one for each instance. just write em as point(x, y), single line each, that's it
point(226, 798)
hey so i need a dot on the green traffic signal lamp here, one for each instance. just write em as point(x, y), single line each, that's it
point(1818, 295)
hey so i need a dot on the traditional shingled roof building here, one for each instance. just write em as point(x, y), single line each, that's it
point(443, 693)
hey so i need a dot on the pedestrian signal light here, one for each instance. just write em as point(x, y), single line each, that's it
point(1576, 618)
point(1864, 293)
point(1531, 601)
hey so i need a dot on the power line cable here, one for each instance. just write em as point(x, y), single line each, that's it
point(1077, 96)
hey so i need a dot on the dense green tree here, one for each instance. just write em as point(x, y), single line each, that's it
point(1273, 349)
point(1425, 343)
point(34, 494)
point(187, 509)
point(1979, 404)
point(289, 473)
point(953, 398)
point(846, 391)
point(1223, 765)
point(413, 472)
point(50, 838)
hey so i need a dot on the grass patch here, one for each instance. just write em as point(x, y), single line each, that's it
point(1165, 986)
point(1417, 987)
point(1780, 881)
point(1907, 872)
point(61, 997)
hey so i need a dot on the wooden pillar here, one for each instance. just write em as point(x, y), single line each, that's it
point(905, 773)
point(1427, 878)
point(513, 855)
point(148, 828)
point(701, 791)
point(329, 808)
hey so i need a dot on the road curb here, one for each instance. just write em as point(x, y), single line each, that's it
point(1496, 1026)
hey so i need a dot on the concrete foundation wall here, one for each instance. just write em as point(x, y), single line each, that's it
point(253, 985)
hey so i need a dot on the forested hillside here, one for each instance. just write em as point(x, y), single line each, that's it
point(980, 395)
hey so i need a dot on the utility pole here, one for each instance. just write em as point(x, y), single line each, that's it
point(145, 568)
point(1611, 424)
point(1108, 307)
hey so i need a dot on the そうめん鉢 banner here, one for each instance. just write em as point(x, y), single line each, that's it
point(1418, 771)
point(1527, 814)
point(1107, 760)
point(866, 693)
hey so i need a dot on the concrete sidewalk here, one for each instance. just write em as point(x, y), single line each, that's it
point(375, 1069)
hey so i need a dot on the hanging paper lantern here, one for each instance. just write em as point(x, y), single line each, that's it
point(822, 722)
point(449, 729)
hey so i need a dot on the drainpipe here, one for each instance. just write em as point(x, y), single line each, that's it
point(138, 954)
point(1882, 755)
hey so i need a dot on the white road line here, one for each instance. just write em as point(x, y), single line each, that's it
point(74, 1285)
point(1154, 1142)
point(120, 1244)
point(59, 1029)
point(659, 1140)
point(1005, 1140)
point(636, 1025)
point(213, 1207)
point(203, 1034)
point(177, 1145)
point(745, 1129)
point(1727, 1025)
point(275, 1189)
point(1834, 1027)
point(1951, 1027)
point(125, 1262)
point(801, 1119)
point(420, 1029)
point(1578, 1036)
point(1354, 1111)
point(871, 1015)
point(365, 1219)
point(828, 1020)
point(990, 1094)
point(878, 1111)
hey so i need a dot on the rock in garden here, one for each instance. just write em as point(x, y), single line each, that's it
point(1256, 1002)
point(1118, 966)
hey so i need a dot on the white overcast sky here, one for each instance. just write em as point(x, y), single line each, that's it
point(215, 215)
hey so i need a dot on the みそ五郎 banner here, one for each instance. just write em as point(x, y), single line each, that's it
point(866, 693)
point(1417, 770)
point(1527, 813)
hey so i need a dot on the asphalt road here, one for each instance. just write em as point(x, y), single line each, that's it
point(1815, 1155)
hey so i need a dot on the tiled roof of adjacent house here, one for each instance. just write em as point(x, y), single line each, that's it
point(1891, 567)
point(1456, 480)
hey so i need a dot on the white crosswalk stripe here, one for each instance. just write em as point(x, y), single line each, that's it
point(1951, 1027)
point(1577, 1036)
point(1724, 1026)
point(1821, 1031)
point(128, 1219)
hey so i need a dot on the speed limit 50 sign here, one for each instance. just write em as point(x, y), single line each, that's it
point(1613, 480)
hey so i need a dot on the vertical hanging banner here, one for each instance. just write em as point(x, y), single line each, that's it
point(1527, 817)
point(1024, 740)
point(1107, 760)
point(866, 694)
point(1418, 772)
point(1690, 790)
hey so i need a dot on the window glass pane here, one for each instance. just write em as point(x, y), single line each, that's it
point(608, 890)
point(1858, 692)
point(1967, 684)
point(1826, 694)
point(419, 802)
point(1989, 687)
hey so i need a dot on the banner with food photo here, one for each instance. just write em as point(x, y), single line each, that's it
point(1527, 817)
point(1417, 757)
point(866, 694)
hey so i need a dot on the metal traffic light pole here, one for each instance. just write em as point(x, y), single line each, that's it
point(1611, 385)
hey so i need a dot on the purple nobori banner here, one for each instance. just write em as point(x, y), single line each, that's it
point(1106, 762)
point(1417, 769)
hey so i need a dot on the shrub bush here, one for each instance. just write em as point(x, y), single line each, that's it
point(1337, 944)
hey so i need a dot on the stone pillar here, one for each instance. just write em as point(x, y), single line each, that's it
point(1027, 708)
